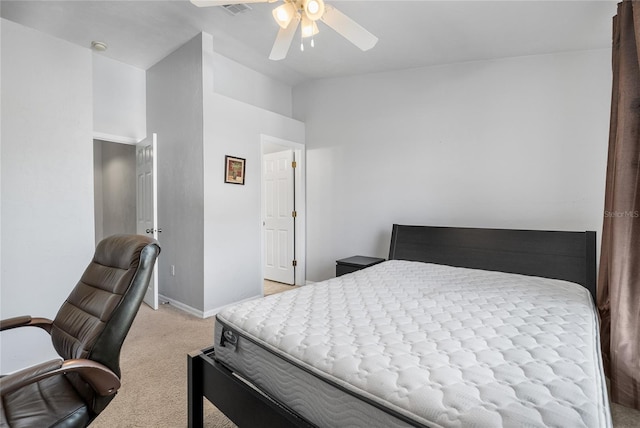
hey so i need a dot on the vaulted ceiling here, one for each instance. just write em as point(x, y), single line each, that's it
point(411, 33)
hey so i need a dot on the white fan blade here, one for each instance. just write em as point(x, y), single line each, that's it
point(348, 28)
point(284, 39)
point(207, 3)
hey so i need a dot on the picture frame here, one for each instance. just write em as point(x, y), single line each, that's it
point(234, 169)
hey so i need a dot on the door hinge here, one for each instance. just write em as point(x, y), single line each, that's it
point(294, 164)
point(294, 214)
point(294, 263)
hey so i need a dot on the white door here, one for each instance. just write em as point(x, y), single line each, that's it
point(279, 217)
point(147, 203)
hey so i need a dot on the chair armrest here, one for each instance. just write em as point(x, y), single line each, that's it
point(103, 381)
point(26, 321)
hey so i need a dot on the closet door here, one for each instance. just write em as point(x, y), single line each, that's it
point(279, 217)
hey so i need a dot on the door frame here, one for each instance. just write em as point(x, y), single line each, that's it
point(300, 245)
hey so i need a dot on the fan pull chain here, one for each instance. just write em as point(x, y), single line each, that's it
point(313, 44)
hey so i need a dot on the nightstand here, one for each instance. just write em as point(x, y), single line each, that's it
point(352, 264)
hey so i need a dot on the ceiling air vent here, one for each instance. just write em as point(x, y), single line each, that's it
point(235, 9)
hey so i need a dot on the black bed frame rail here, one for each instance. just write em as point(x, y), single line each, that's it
point(235, 398)
point(569, 256)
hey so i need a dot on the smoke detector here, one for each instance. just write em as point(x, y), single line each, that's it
point(98, 46)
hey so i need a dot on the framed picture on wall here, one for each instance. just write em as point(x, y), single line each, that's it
point(233, 170)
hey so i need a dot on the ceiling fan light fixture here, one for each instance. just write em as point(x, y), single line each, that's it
point(305, 12)
point(313, 9)
point(284, 14)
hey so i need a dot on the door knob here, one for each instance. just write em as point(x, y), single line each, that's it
point(148, 230)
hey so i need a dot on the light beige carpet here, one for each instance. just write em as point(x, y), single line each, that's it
point(154, 373)
point(154, 369)
point(272, 287)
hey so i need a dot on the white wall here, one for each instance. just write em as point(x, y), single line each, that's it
point(510, 143)
point(233, 221)
point(244, 84)
point(211, 231)
point(239, 105)
point(174, 108)
point(3, 359)
point(119, 92)
point(47, 175)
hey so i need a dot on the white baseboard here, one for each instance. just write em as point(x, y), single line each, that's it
point(179, 305)
point(198, 313)
point(213, 312)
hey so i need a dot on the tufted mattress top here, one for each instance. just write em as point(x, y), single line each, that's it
point(440, 346)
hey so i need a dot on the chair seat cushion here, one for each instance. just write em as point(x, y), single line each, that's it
point(52, 402)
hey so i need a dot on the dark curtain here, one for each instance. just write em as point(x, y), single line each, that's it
point(619, 274)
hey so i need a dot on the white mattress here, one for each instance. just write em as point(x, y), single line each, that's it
point(428, 345)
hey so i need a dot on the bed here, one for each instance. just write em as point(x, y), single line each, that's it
point(461, 327)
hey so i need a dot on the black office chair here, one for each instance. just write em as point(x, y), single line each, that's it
point(87, 333)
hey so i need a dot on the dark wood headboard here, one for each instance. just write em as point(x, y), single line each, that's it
point(570, 256)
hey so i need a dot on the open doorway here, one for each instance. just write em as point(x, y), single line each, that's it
point(114, 188)
point(125, 200)
point(283, 213)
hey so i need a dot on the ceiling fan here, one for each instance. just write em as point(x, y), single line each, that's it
point(305, 13)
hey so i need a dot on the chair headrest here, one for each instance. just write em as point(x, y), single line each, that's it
point(120, 250)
